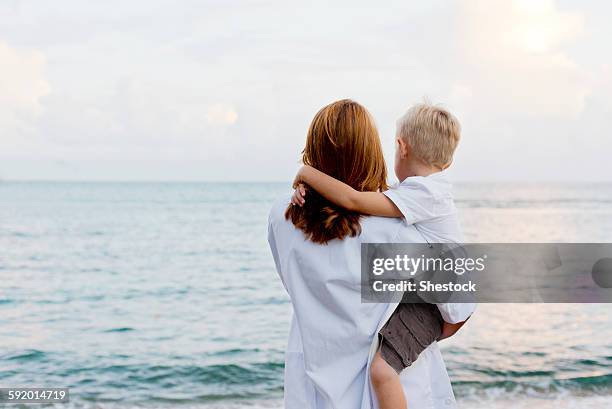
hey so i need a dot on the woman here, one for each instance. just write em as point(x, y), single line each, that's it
point(316, 250)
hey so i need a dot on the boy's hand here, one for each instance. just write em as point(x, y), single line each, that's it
point(298, 197)
point(448, 330)
point(299, 194)
point(298, 180)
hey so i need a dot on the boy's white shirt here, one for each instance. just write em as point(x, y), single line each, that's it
point(427, 202)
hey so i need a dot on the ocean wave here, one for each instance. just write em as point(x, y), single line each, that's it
point(534, 203)
point(565, 401)
point(26, 356)
point(543, 387)
point(121, 329)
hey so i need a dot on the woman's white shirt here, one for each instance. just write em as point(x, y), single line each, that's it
point(333, 334)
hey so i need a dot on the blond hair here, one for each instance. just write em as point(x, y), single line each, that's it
point(432, 132)
point(343, 142)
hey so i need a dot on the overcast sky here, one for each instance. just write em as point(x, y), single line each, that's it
point(225, 90)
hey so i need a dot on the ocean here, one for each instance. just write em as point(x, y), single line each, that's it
point(159, 295)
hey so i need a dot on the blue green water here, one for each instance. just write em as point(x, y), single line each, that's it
point(165, 295)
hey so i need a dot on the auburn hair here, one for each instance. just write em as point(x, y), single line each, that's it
point(343, 142)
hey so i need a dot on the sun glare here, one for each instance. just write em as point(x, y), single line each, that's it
point(534, 39)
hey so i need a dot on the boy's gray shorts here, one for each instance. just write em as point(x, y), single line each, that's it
point(411, 329)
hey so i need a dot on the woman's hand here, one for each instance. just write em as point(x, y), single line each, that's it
point(299, 194)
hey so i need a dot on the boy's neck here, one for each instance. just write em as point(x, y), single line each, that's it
point(417, 168)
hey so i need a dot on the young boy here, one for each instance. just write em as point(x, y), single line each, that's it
point(427, 137)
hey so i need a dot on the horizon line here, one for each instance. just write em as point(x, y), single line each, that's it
point(458, 181)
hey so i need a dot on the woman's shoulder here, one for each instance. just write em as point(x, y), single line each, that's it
point(279, 207)
point(278, 223)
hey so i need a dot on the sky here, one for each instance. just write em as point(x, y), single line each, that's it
point(225, 90)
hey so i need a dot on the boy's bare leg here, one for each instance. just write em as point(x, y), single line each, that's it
point(386, 383)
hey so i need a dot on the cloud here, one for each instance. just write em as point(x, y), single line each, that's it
point(23, 84)
point(221, 114)
point(234, 89)
point(513, 56)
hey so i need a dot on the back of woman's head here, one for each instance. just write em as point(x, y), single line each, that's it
point(343, 142)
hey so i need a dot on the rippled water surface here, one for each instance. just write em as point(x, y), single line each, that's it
point(164, 295)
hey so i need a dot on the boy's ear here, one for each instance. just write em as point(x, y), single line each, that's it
point(403, 147)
